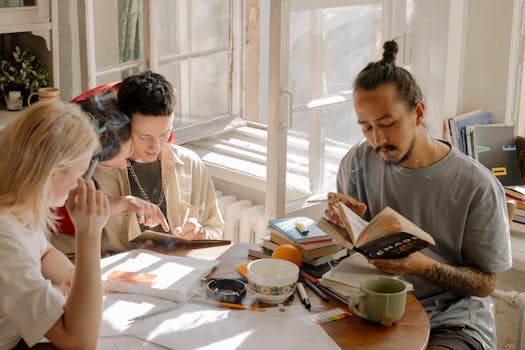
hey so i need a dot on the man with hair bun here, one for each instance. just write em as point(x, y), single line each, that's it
point(444, 192)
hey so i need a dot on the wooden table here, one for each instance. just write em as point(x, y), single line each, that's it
point(411, 332)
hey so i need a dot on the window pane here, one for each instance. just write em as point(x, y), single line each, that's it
point(210, 85)
point(118, 21)
point(210, 24)
point(117, 75)
point(172, 27)
point(328, 48)
point(172, 71)
point(351, 35)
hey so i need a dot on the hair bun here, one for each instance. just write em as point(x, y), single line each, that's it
point(389, 55)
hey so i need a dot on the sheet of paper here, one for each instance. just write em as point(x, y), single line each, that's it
point(126, 343)
point(196, 326)
point(121, 308)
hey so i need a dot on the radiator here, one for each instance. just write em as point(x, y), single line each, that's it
point(243, 221)
point(517, 300)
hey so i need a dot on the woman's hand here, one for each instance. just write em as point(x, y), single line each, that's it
point(331, 212)
point(148, 214)
point(88, 208)
point(192, 229)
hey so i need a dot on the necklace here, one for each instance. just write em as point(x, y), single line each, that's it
point(141, 189)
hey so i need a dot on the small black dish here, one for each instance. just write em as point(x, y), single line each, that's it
point(226, 290)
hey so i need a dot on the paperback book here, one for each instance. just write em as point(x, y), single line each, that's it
point(388, 235)
point(298, 229)
point(153, 274)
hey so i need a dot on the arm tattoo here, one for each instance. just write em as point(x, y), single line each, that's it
point(462, 280)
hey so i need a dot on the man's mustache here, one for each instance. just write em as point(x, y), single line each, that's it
point(387, 148)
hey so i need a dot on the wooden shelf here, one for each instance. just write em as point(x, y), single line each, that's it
point(6, 116)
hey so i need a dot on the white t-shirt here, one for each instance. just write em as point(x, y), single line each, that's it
point(29, 304)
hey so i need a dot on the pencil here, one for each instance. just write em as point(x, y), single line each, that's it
point(186, 215)
point(316, 290)
point(228, 305)
point(91, 169)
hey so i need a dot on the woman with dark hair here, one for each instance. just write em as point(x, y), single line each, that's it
point(113, 129)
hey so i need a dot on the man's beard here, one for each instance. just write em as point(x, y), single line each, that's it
point(390, 148)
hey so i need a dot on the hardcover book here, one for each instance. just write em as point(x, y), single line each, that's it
point(309, 250)
point(174, 241)
point(516, 191)
point(388, 235)
point(299, 229)
point(474, 118)
point(496, 150)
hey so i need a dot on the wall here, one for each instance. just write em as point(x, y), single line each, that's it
point(69, 55)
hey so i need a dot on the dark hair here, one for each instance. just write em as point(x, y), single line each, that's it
point(385, 71)
point(112, 125)
point(147, 93)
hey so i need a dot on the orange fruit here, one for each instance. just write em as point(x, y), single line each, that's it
point(288, 252)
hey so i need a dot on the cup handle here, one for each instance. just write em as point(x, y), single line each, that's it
point(29, 98)
point(353, 300)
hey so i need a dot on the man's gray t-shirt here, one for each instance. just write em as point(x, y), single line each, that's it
point(456, 200)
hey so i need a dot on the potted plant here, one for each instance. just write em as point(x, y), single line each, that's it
point(22, 73)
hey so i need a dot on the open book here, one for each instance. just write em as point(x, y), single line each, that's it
point(170, 239)
point(172, 277)
point(389, 235)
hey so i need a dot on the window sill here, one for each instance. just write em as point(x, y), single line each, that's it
point(239, 156)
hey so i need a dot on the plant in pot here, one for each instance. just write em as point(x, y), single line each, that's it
point(22, 73)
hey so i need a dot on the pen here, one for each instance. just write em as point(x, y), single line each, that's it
point(91, 169)
point(316, 290)
point(229, 305)
point(309, 277)
point(304, 297)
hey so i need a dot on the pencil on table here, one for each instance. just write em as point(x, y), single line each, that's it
point(228, 305)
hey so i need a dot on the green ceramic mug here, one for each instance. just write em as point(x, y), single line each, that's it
point(380, 299)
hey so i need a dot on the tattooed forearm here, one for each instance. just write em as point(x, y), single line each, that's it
point(462, 280)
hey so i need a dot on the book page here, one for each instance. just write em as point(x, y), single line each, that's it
point(339, 234)
point(354, 223)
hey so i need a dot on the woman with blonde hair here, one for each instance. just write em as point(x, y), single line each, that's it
point(43, 155)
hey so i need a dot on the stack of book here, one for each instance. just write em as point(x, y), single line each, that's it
point(458, 130)
point(517, 195)
point(319, 250)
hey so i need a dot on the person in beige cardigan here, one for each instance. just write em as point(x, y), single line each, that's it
point(165, 174)
point(169, 176)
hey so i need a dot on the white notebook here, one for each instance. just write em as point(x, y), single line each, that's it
point(175, 275)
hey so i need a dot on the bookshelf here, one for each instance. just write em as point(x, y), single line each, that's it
point(33, 25)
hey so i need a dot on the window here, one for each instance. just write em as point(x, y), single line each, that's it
point(197, 44)
point(192, 43)
point(324, 44)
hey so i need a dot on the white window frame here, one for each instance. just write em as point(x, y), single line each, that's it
point(152, 60)
point(280, 104)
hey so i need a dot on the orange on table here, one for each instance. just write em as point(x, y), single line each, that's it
point(288, 252)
